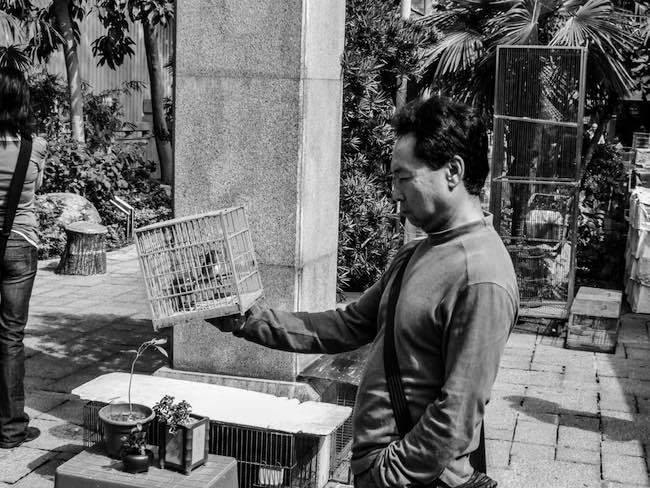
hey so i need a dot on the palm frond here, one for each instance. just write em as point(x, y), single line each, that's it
point(11, 27)
point(13, 56)
point(519, 25)
point(597, 25)
point(456, 51)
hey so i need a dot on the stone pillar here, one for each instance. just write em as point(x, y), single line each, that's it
point(258, 123)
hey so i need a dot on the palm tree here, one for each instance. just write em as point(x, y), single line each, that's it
point(462, 63)
point(44, 28)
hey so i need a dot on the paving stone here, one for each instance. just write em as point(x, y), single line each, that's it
point(574, 455)
point(43, 476)
point(614, 484)
point(626, 448)
point(70, 411)
point(519, 377)
point(549, 474)
point(618, 402)
point(38, 402)
point(497, 453)
point(579, 433)
point(643, 405)
point(21, 461)
point(57, 436)
point(617, 427)
point(536, 433)
point(625, 469)
point(530, 454)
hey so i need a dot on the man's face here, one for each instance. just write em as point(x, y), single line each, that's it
point(424, 194)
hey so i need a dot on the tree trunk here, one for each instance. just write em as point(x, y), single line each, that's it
point(161, 132)
point(64, 26)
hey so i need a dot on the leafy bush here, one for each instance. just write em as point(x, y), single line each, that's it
point(601, 236)
point(100, 176)
point(97, 170)
point(379, 47)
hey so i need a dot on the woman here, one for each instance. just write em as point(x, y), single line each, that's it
point(18, 266)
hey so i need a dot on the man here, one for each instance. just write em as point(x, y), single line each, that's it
point(457, 305)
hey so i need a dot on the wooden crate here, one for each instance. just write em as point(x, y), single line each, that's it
point(594, 320)
point(199, 267)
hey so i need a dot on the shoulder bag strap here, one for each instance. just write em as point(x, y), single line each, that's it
point(391, 366)
point(15, 190)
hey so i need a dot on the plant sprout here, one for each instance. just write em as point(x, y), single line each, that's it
point(154, 343)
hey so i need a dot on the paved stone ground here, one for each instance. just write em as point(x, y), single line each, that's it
point(558, 419)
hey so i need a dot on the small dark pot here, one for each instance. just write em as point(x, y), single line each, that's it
point(134, 462)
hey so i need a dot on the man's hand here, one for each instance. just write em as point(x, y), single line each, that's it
point(231, 323)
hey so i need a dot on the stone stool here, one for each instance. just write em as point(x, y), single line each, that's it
point(85, 249)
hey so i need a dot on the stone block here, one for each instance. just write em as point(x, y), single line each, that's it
point(578, 438)
point(549, 474)
point(574, 455)
point(625, 469)
point(536, 433)
point(497, 453)
point(19, 462)
point(530, 454)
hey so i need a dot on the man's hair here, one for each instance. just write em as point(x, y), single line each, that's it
point(444, 128)
point(15, 108)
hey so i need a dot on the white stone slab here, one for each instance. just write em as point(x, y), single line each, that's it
point(220, 403)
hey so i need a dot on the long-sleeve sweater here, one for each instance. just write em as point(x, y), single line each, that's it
point(25, 222)
point(457, 306)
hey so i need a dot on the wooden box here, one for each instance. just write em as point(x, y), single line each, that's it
point(185, 449)
point(594, 320)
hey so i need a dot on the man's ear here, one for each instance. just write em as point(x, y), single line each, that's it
point(455, 171)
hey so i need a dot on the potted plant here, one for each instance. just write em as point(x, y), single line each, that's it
point(136, 458)
point(182, 436)
point(118, 419)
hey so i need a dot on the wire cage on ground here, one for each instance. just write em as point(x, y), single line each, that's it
point(265, 458)
point(199, 267)
point(535, 173)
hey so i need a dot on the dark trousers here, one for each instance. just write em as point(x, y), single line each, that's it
point(16, 280)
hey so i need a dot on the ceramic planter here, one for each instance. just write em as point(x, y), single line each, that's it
point(117, 426)
point(185, 449)
point(134, 462)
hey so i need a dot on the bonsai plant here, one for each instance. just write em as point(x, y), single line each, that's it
point(118, 419)
point(135, 455)
point(182, 436)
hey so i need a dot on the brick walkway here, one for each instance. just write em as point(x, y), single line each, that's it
point(558, 418)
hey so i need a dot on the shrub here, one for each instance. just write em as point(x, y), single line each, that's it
point(601, 237)
point(99, 176)
point(379, 47)
point(99, 169)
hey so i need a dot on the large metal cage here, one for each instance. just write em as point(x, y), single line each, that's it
point(535, 173)
point(265, 458)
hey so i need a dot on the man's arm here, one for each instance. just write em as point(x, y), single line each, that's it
point(322, 332)
point(481, 320)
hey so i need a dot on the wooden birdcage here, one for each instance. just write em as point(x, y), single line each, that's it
point(199, 267)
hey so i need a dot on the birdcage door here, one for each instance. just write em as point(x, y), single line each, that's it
point(536, 156)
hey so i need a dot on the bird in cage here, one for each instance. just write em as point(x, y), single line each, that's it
point(215, 272)
point(182, 288)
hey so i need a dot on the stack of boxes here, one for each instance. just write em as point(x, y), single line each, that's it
point(637, 252)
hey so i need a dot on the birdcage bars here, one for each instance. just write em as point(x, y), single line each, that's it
point(267, 458)
point(536, 156)
point(199, 267)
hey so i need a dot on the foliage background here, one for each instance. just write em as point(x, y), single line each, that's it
point(379, 47)
point(97, 170)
